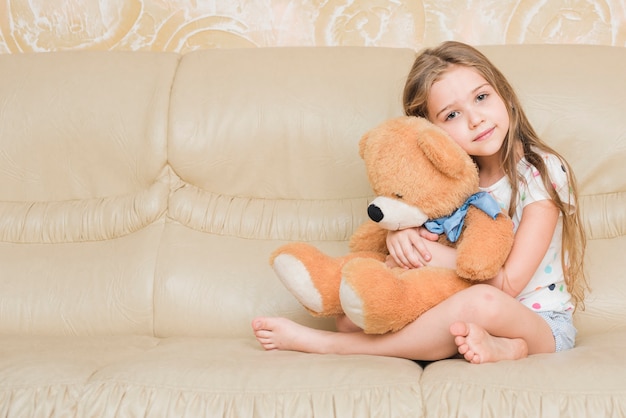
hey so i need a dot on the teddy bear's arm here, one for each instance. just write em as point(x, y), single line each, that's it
point(484, 245)
point(369, 237)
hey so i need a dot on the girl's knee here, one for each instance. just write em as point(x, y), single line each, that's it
point(487, 292)
point(484, 301)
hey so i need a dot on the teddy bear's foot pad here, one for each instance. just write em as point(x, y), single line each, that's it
point(296, 278)
point(352, 304)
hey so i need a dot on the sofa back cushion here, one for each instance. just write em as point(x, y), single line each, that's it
point(83, 189)
point(265, 143)
point(100, 235)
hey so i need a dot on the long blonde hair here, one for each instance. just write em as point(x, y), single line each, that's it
point(428, 67)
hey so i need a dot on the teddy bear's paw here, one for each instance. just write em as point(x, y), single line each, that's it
point(359, 311)
point(351, 304)
point(296, 278)
point(373, 297)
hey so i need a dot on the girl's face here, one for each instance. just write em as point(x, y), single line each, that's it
point(468, 108)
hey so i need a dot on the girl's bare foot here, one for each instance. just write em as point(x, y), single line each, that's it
point(478, 346)
point(284, 334)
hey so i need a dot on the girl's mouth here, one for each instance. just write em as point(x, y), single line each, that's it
point(484, 134)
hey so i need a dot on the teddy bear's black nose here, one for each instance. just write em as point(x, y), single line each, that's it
point(375, 213)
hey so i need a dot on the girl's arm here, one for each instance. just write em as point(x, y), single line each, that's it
point(414, 248)
point(532, 239)
point(409, 249)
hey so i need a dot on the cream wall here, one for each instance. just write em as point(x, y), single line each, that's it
point(179, 25)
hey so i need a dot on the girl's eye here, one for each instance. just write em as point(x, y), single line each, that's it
point(481, 97)
point(452, 115)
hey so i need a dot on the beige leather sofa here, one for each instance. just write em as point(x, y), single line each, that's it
point(141, 194)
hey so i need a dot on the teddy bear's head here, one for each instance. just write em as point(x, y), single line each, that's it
point(417, 171)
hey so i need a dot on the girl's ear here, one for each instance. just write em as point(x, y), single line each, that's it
point(441, 150)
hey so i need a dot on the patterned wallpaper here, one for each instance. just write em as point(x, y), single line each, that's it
point(185, 25)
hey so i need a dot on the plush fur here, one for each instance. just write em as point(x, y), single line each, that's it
point(418, 173)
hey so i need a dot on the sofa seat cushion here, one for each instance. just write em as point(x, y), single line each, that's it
point(45, 376)
point(197, 377)
point(587, 381)
point(187, 377)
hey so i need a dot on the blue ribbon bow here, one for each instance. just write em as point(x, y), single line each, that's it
point(452, 224)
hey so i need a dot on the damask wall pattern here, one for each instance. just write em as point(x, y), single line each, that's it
point(185, 25)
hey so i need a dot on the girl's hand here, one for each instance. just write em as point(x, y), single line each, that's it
point(407, 247)
point(390, 262)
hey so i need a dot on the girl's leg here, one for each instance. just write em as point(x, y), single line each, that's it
point(472, 317)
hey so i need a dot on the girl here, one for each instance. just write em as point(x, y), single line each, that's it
point(527, 308)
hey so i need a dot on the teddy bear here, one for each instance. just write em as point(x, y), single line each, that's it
point(420, 177)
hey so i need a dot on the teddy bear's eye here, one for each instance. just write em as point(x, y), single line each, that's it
point(399, 196)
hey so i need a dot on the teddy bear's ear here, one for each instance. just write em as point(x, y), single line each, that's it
point(442, 151)
point(362, 143)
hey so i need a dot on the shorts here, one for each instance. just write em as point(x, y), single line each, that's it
point(562, 326)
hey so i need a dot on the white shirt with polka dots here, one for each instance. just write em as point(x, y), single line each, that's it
point(546, 290)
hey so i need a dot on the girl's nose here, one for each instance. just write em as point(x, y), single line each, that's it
point(475, 118)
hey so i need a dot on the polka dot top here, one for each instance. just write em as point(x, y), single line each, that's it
point(546, 291)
